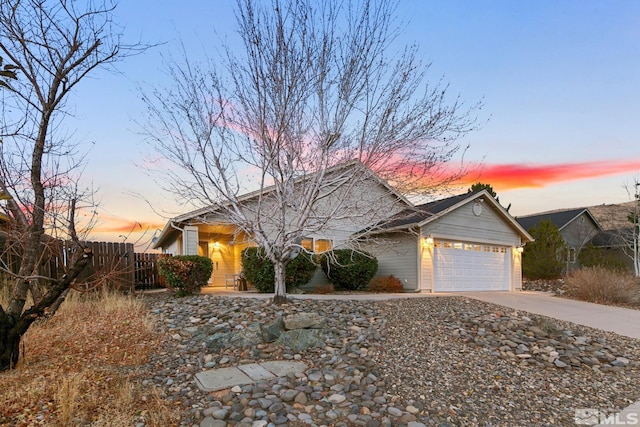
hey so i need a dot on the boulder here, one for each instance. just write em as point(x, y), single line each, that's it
point(303, 321)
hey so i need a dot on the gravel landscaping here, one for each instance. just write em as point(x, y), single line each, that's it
point(408, 362)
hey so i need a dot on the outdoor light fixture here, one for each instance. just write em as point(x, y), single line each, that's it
point(520, 249)
point(428, 241)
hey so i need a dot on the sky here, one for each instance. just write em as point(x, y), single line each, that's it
point(559, 81)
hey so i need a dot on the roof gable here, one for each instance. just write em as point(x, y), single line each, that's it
point(559, 218)
point(421, 215)
point(343, 171)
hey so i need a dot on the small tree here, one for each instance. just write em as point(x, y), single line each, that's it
point(541, 258)
point(592, 256)
point(313, 86)
point(479, 186)
point(52, 46)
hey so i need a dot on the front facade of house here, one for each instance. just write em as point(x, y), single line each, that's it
point(464, 243)
point(207, 232)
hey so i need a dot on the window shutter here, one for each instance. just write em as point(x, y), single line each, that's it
point(190, 240)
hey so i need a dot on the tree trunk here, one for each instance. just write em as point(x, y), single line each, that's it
point(12, 327)
point(9, 342)
point(280, 291)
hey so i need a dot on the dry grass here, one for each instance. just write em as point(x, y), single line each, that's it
point(603, 286)
point(83, 367)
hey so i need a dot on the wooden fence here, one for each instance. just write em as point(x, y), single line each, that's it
point(146, 271)
point(113, 264)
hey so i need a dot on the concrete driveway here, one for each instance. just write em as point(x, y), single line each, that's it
point(623, 321)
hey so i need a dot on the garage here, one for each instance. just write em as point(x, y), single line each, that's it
point(462, 243)
point(467, 266)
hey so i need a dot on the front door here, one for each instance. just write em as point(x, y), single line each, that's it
point(221, 255)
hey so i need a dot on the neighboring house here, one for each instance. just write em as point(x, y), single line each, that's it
point(462, 243)
point(576, 226)
point(616, 240)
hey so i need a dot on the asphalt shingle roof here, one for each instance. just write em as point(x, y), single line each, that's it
point(419, 213)
point(559, 218)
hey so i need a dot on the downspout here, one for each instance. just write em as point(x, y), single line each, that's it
point(181, 230)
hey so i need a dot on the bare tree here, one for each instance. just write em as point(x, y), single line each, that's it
point(314, 87)
point(52, 46)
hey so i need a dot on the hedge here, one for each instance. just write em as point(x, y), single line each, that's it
point(349, 269)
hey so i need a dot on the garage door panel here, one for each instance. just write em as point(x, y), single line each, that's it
point(467, 267)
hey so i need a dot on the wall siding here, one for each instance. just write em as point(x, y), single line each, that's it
point(398, 256)
point(579, 232)
point(462, 224)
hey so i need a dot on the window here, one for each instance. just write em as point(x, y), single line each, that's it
point(567, 255)
point(307, 244)
point(316, 245)
point(322, 245)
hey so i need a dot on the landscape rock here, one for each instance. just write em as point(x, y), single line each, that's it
point(303, 321)
point(437, 361)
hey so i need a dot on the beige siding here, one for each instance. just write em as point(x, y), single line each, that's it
point(517, 270)
point(426, 266)
point(462, 224)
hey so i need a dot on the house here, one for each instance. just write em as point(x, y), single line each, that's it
point(576, 226)
point(462, 243)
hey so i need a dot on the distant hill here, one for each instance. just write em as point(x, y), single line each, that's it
point(613, 217)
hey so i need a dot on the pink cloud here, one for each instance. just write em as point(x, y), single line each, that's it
point(510, 176)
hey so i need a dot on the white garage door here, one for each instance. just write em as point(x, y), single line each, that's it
point(462, 266)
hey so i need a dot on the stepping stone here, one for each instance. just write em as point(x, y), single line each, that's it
point(218, 379)
point(256, 372)
point(282, 368)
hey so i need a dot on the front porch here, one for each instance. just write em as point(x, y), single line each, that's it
point(223, 244)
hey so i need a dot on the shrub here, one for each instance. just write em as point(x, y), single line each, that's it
point(185, 274)
point(593, 256)
point(349, 269)
point(323, 289)
point(386, 284)
point(603, 286)
point(259, 271)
